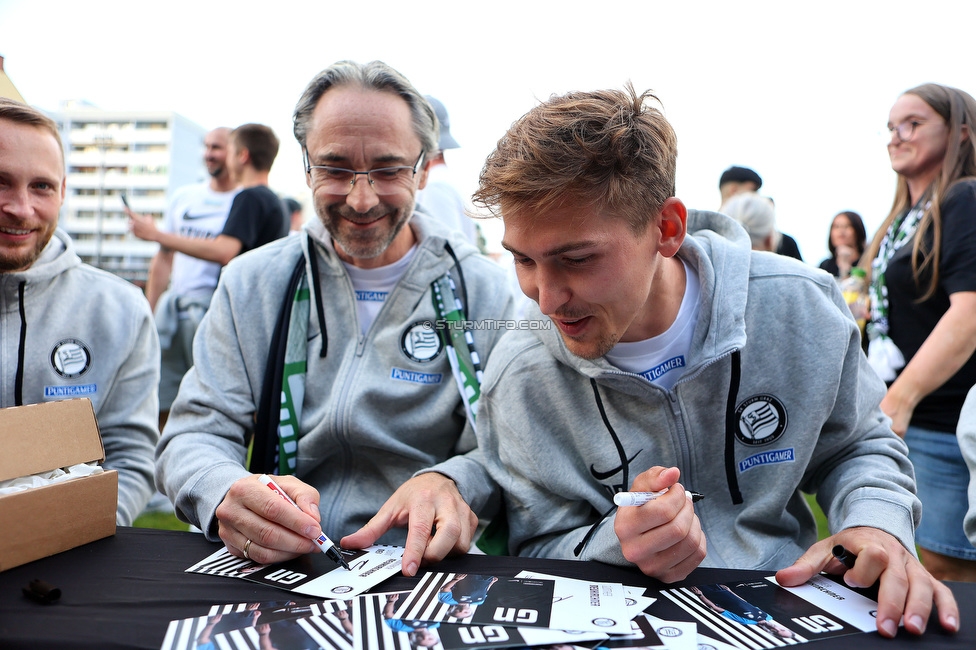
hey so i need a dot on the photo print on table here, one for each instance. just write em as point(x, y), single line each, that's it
point(376, 628)
point(311, 574)
point(575, 605)
point(201, 631)
point(762, 614)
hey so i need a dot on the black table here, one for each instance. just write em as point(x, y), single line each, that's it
point(122, 592)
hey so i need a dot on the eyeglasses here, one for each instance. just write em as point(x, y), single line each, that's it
point(905, 131)
point(383, 180)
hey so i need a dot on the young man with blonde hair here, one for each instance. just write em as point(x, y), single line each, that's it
point(674, 352)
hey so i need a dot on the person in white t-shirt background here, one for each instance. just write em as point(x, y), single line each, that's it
point(180, 286)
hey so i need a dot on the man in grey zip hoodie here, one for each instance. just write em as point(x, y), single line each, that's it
point(379, 400)
point(676, 351)
point(69, 330)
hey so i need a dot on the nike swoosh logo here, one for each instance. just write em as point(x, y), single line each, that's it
point(189, 217)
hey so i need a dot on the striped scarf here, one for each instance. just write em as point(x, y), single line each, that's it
point(883, 355)
point(280, 410)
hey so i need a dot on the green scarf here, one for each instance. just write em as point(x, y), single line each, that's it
point(280, 409)
point(293, 380)
point(883, 355)
point(899, 232)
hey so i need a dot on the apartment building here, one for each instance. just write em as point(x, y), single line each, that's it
point(144, 155)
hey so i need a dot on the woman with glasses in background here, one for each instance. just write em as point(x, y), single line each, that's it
point(922, 265)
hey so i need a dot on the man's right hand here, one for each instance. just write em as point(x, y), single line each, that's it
point(142, 225)
point(276, 529)
point(845, 256)
point(663, 537)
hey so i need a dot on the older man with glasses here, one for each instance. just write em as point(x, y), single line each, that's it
point(344, 359)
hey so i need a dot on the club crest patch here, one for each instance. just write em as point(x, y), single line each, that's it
point(421, 342)
point(761, 420)
point(71, 358)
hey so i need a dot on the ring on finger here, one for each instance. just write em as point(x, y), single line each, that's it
point(247, 545)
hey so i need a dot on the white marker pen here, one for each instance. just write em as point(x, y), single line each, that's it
point(640, 498)
point(324, 543)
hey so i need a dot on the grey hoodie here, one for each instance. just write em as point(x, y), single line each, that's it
point(371, 415)
point(776, 397)
point(86, 333)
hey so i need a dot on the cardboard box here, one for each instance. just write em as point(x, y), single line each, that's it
point(46, 520)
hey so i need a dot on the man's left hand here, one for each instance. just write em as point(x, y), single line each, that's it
point(906, 589)
point(438, 520)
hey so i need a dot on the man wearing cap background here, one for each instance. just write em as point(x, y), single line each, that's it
point(735, 180)
point(440, 198)
point(738, 179)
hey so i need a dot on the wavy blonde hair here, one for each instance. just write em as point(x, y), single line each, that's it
point(606, 148)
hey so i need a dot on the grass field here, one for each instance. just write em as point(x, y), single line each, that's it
point(162, 520)
point(822, 530)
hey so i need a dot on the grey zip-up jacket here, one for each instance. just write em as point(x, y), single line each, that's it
point(776, 397)
point(69, 330)
point(372, 416)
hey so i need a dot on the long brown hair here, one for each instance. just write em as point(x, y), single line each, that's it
point(860, 234)
point(957, 108)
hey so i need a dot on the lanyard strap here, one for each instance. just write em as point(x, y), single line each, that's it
point(280, 409)
point(459, 341)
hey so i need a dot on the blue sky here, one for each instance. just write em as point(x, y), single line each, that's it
point(800, 95)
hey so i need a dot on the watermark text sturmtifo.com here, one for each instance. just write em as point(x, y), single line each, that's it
point(489, 324)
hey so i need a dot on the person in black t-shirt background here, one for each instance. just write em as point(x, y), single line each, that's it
point(256, 216)
point(922, 334)
point(845, 241)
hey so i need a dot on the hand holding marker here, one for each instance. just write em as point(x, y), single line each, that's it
point(640, 498)
point(324, 543)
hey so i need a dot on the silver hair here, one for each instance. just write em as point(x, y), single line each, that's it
point(756, 214)
point(374, 75)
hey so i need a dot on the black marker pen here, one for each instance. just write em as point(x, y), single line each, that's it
point(844, 556)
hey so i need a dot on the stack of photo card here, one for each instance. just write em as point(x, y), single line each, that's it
point(277, 624)
point(379, 623)
point(312, 574)
point(449, 611)
point(763, 614)
point(518, 602)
